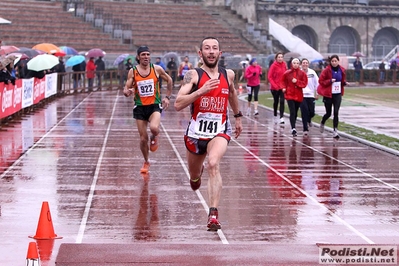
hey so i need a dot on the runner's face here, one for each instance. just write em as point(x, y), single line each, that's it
point(144, 58)
point(210, 53)
point(280, 58)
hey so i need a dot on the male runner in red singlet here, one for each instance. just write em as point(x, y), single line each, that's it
point(208, 91)
point(143, 82)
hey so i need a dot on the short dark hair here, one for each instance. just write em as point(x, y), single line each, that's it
point(209, 38)
point(275, 57)
point(333, 56)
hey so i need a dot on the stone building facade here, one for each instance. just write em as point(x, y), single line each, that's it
point(330, 26)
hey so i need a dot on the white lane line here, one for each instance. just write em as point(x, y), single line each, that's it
point(324, 154)
point(369, 241)
point(9, 169)
point(201, 198)
point(85, 216)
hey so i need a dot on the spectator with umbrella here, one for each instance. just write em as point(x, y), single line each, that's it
point(90, 72)
point(60, 69)
point(100, 67)
point(358, 66)
point(75, 62)
point(5, 75)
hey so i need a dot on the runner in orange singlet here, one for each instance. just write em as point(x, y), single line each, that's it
point(208, 91)
point(143, 82)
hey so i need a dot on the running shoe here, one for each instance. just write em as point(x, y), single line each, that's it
point(153, 143)
point(294, 134)
point(213, 223)
point(196, 183)
point(321, 128)
point(310, 124)
point(248, 111)
point(282, 120)
point(256, 112)
point(145, 168)
point(306, 133)
point(275, 120)
point(335, 134)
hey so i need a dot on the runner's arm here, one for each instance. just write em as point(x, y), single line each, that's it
point(184, 98)
point(128, 89)
point(233, 100)
point(163, 75)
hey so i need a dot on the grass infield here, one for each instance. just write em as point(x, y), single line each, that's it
point(383, 96)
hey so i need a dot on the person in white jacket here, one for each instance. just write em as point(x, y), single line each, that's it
point(309, 96)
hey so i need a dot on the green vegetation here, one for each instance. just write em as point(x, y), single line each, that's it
point(388, 96)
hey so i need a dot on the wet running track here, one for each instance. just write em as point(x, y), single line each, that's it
point(281, 196)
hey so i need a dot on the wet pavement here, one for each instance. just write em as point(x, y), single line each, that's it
point(281, 195)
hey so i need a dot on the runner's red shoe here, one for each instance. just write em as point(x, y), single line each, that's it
point(153, 143)
point(213, 223)
point(145, 168)
point(195, 184)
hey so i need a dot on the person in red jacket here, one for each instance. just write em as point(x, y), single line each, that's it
point(253, 73)
point(292, 83)
point(275, 74)
point(90, 72)
point(331, 86)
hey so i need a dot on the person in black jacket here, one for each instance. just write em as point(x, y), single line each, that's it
point(99, 71)
point(5, 75)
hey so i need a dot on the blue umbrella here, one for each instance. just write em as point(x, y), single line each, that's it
point(69, 50)
point(120, 59)
point(74, 60)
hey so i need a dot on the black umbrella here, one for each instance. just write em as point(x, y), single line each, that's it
point(29, 52)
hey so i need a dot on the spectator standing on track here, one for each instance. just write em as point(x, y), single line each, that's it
point(253, 73)
point(143, 82)
point(358, 66)
point(184, 67)
point(331, 86)
point(292, 83)
point(209, 130)
point(161, 64)
point(275, 74)
point(172, 68)
point(381, 67)
point(121, 74)
point(243, 64)
point(90, 73)
point(60, 68)
point(309, 96)
point(100, 68)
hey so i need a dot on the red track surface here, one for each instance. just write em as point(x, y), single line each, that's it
point(281, 196)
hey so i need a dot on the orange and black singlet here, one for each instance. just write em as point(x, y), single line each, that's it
point(146, 89)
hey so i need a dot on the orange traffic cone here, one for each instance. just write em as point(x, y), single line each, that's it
point(32, 255)
point(240, 89)
point(45, 229)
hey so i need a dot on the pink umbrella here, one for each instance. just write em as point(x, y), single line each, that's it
point(358, 54)
point(95, 52)
point(6, 49)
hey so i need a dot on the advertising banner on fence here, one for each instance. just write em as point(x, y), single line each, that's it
point(51, 84)
point(27, 92)
point(11, 98)
point(39, 88)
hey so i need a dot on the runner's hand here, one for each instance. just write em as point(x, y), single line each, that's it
point(127, 92)
point(208, 86)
